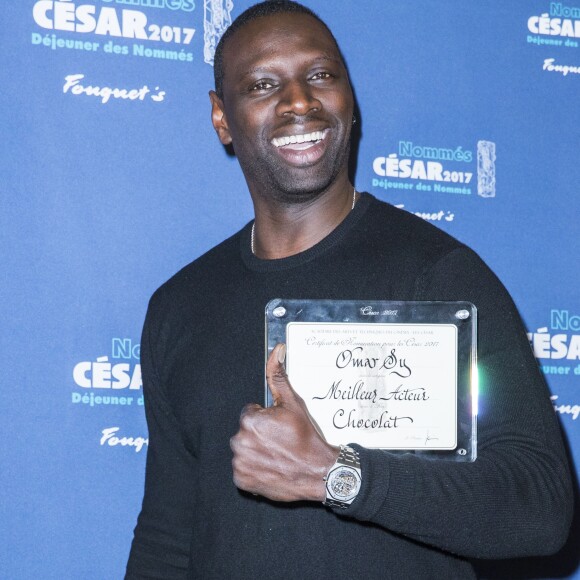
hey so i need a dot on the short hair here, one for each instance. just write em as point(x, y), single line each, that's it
point(266, 8)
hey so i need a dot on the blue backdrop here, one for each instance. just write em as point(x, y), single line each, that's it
point(112, 179)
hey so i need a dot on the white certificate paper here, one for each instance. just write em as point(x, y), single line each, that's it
point(388, 386)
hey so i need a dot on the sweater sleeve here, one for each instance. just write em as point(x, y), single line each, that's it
point(162, 537)
point(515, 500)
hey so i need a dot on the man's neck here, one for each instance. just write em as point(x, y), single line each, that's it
point(282, 230)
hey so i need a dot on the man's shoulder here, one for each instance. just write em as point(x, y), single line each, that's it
point(203, 272)
point(408, 235)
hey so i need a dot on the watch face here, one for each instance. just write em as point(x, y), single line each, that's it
point(343, 483)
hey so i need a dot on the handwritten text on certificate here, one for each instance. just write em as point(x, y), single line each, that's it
point(389, 386)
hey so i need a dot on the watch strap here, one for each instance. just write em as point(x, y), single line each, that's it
point(348, 456)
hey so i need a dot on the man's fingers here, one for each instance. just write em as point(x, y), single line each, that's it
point(246, 418)
point(276, 376)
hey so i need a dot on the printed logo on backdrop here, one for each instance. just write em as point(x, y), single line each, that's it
point(109, 380)
point(559, 342)
point(76, 85)
point(557, 348)
point(424, 170)
point(558, 29)
point(115, 437)
point(431, 216)
point(217, 16)
point(151, 29)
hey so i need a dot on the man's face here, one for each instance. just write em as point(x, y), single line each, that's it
point(287, 106)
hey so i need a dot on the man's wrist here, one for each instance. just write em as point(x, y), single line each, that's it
point(330, 459)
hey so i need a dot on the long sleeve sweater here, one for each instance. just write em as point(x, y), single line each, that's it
point(203, 359)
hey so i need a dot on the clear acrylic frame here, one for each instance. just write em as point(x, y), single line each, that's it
point(400, 376)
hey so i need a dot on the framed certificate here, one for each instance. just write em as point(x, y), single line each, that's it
point(389, 375)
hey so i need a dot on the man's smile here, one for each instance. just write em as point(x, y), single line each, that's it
point(303, 138)
point(302, 149)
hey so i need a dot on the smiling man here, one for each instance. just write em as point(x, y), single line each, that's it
point(283, 101)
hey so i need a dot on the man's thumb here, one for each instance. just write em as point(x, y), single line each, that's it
point(276, 375)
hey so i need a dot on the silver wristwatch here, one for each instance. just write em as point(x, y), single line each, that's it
point(343, 480)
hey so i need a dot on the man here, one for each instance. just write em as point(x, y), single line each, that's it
point(284, 102)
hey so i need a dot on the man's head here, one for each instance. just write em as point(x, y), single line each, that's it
point(267, 8)
point(285, 102)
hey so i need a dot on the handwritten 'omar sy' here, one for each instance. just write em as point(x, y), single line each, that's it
point(392, 365)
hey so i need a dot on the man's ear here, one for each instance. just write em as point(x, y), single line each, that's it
point(218, 119)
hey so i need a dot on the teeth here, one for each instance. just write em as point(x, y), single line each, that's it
point(314, 136)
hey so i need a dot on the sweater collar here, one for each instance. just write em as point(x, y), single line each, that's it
point(330, 241)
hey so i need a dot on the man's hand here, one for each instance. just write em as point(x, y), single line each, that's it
point(279, 452)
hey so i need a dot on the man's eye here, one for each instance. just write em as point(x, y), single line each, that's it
point(321, 76)
point(261, 86)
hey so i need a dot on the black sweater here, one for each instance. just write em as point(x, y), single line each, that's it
point(202, 355)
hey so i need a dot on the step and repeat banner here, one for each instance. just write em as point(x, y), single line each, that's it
point(112, 179)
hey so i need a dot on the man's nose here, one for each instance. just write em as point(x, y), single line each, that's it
point(298, 99)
